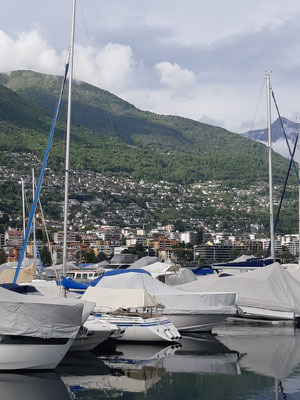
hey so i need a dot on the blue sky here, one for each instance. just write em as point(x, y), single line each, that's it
point(193, 59)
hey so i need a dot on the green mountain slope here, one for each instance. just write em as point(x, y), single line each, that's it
point(111, 136)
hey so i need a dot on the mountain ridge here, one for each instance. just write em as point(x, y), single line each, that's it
point(278, 140)
point(110, 135)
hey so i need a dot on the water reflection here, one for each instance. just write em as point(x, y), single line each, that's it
point(117, 368)
point(203, 354)
point(35, 386)
point(240, 363)
point(273, 352)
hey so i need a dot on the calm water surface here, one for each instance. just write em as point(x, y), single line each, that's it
point(239, 362)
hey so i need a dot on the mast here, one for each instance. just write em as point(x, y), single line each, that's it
point(68, 141)
point(33, 221)
point(299, 200)
point(272, 241)
point(23, 207)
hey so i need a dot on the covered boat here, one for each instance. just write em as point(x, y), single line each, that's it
point(244, 263)
point(133, 310)
point(187, 311)
point(37, 331)
point(165, 272)
point(270, 292)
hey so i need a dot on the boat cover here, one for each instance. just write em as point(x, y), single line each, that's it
point(111, 299)
point(40, 316)
point(270, 287)
point(184, 275)
point(7, 274)
point(160, 268)
point(175, 301)
point(142, 262)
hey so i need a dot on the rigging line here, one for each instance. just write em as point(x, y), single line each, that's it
point(108, 119)
point(35, 243)
point(286, 139)
point(47, 235)
point(40, 181)
point(283, 192)
point(258, 103)
point(282, 390)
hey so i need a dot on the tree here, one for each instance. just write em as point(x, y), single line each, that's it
point(78, 238)
point(77, 256)
point(100, 257)
point(201, 260)
point(286, 256)
point(126, 251)
point(39, 234)
point(182, 254)
point(88, 256)
point(199, 237)
point(89, 227)
point(2, 257)
point(179, 226)
point(45, 256)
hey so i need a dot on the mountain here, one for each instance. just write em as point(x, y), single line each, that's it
point(111, 136)
point(278, 140)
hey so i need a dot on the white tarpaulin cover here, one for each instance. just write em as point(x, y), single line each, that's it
point(184, 275)
point(40, 316)
point(160, 267)
point(242, 258)
point(175, 301)
point(270, 288)
point(142, 262)
point(112, 299)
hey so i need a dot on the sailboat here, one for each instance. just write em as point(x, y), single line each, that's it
point(37, 331)
point(134, 310)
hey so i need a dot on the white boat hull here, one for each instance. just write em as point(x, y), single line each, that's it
point(90, 340)
point(95, 332)
point(254, 312)
point(26, 355)
point(144, 329)
point(196, 322)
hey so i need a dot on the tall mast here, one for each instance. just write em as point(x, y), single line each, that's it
point(272, 241)
point(23, 207)
point(68, 141)
point(33, 221)
point(23, 210)
point(299, 199)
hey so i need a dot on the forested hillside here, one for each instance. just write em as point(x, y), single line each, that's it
point(111, 136)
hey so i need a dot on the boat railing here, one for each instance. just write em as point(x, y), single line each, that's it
point(142, 312)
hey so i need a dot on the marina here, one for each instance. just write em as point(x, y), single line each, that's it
point(187, 289)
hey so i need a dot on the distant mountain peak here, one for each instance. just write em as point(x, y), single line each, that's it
point(278, 140)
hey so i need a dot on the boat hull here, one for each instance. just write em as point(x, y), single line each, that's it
point(89, 341)
point(95, 332)
point(144, 329)
point(32, 353)
point(196, 322)
point(254, 312)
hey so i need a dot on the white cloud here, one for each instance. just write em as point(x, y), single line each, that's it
point(116, 64)
point(179, 80)
point(110, 67)
point(28, 51)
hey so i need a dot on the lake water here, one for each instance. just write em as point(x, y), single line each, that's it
point(239, 362)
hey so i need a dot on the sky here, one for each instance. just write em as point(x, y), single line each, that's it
point(197, 59)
